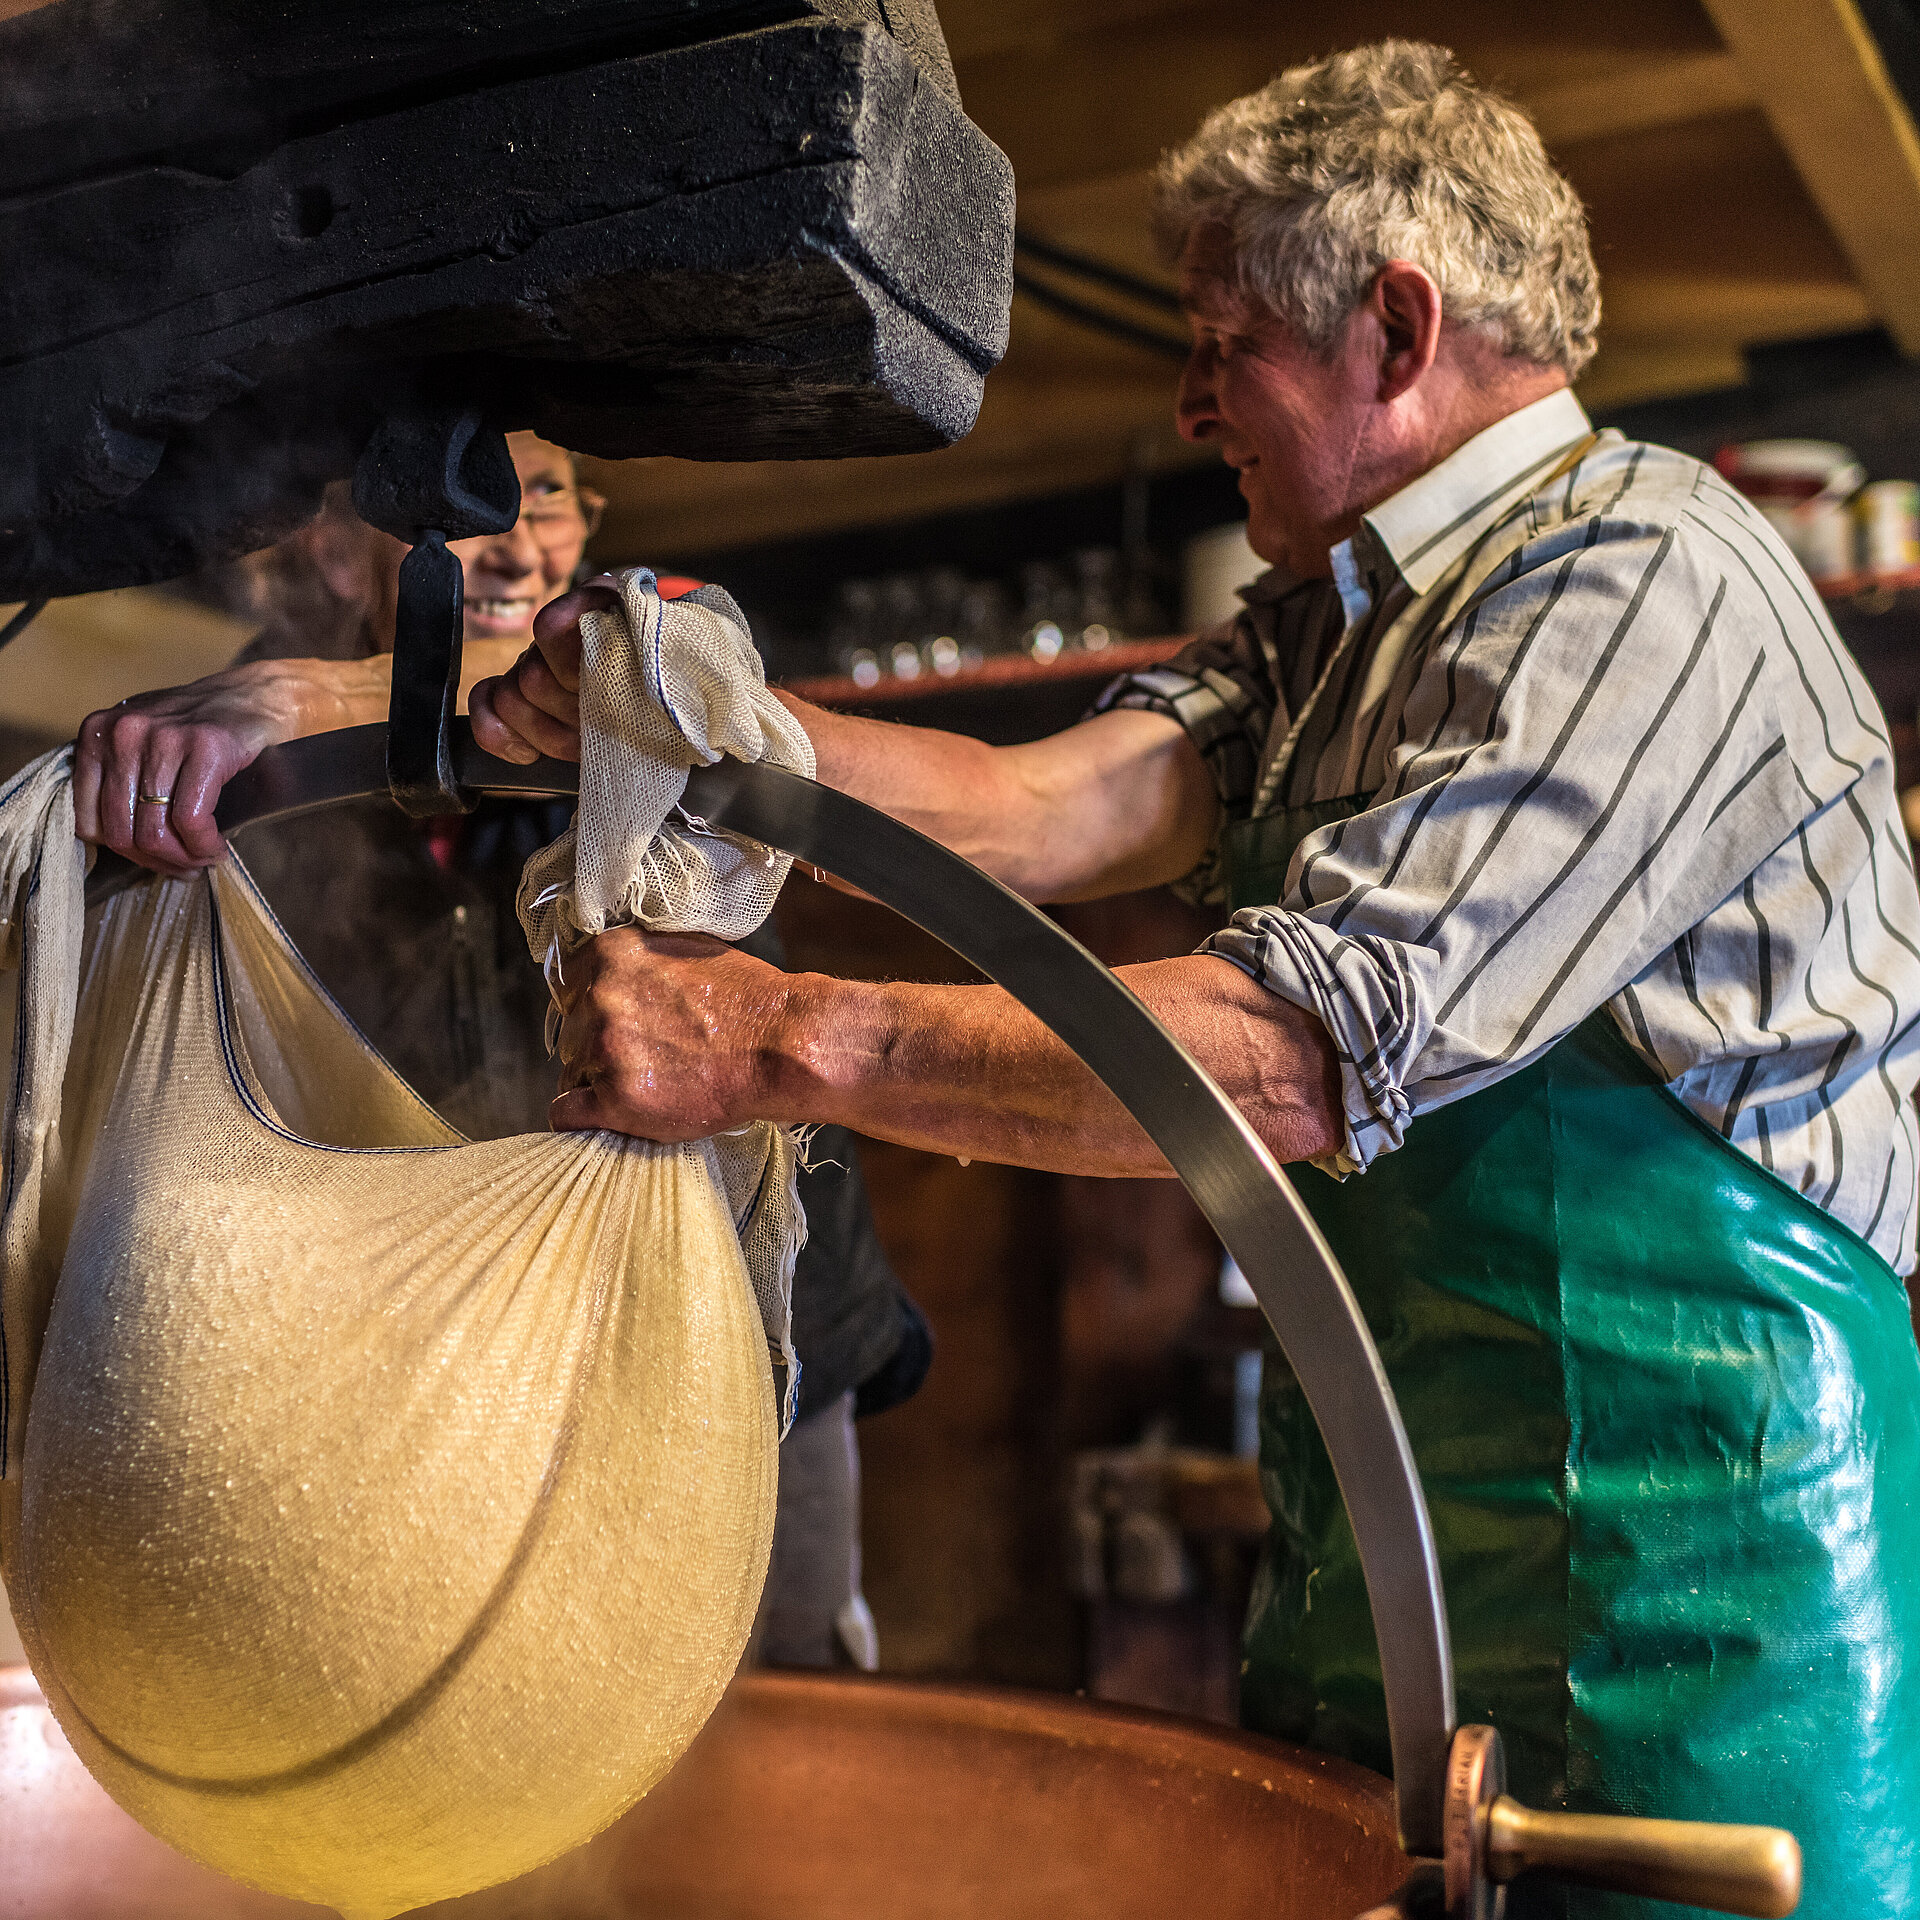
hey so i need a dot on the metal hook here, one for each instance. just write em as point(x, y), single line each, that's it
point(430, 476)
point(426, 681)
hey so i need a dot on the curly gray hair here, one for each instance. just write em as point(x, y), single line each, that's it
point(1389, 152)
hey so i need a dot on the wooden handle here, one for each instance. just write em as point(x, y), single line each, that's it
point(1748, 1870)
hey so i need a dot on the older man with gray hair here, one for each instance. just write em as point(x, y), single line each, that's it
point(1575, 946)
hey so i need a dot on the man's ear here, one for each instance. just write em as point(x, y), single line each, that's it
point(1406, 305)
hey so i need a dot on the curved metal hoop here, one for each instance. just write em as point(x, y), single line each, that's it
point(1247, 1198)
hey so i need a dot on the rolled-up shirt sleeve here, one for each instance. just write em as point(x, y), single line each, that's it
point(1589, 762)
point(1218, 688)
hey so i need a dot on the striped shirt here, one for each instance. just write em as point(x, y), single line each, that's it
point(1610, 752)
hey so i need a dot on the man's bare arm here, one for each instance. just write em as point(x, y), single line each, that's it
point(675, 1036)
point(1120, 801)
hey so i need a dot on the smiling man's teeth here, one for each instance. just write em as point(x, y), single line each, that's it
point(502, 608)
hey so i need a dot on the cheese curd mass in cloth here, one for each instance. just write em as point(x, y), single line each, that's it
point(383, 1513)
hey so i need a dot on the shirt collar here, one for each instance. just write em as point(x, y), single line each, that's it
point(1432, 521)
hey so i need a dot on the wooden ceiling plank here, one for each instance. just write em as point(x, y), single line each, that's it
point(1715, 196)
point(976, 28)
point(1706, 236)
point(1625, 372)
point(1654, 93)
point(1818, 73)
point(1501, 41)
point(1685, 310)
point(1033, 439)
point(1144, 80)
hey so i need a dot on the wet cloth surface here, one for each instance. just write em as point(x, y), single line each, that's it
point(327, 1495)
point(383, 1513)
point(430, 963)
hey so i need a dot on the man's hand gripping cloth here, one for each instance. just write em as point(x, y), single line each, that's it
point(385, 1513)
point(666, 686)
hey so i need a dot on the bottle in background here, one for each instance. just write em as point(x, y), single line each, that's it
point(853, 632)
point(1098, 623)
point(1888, 513)
point(1047, 607)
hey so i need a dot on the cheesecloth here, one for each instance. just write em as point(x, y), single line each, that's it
point(383, 1513)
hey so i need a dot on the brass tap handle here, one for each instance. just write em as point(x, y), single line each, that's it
point(1750, 1870)
point(1491, 1839)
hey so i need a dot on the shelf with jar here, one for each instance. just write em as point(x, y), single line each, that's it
point(1859, 540)
point(1003, 671)
point(1009, 657)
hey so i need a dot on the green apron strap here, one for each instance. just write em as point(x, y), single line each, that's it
point(1257, 853)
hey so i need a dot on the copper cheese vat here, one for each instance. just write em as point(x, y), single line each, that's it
point(826, 1798)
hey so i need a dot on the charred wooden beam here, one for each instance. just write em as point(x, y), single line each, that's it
point(785, 242)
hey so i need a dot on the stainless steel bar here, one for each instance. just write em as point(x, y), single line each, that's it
point(1244, 1194)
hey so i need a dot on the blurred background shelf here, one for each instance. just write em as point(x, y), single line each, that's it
point(1003, 699)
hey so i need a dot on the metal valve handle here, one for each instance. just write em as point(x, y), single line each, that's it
point(1492, 1839)
point(429, 474)
point(1750, 1870)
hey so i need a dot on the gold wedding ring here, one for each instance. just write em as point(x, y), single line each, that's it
point(153, 800)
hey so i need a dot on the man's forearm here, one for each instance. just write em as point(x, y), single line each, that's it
point(947, 785)
point(1120, 802)
point(968, 1071)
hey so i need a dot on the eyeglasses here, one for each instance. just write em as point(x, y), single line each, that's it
point(567, 513)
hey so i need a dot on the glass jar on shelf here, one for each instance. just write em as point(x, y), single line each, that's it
point(1047, 610)
point(901, 625)
point(942, 655)
point(1142, 611)
point(853, 632)
point(984, 627)
point(942, 591)
point(1098, 622)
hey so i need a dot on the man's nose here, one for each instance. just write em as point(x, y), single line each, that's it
point(1194, 411)
point(515, 551)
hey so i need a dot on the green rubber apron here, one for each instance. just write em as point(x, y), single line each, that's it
point(1667, 1414)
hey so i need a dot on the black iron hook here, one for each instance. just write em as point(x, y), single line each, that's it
point(427, 477)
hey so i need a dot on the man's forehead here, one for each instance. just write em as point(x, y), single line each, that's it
point(1209, 282)
point(532, 455)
